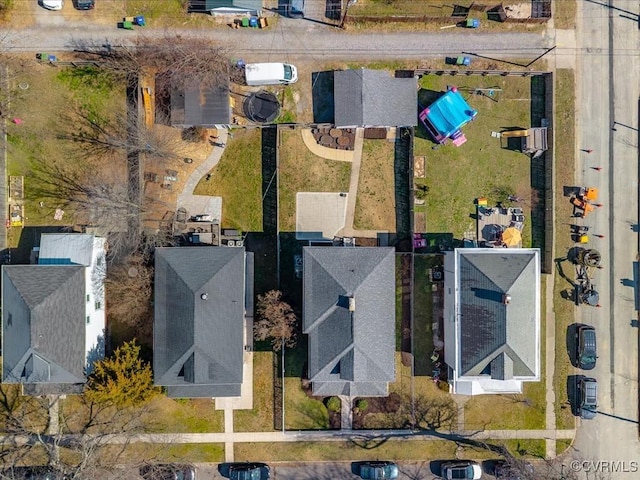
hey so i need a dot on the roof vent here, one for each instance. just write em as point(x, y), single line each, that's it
point(506, 299)
point(352, 304)
point(204, 296)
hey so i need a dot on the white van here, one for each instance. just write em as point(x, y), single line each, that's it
point(270, 74)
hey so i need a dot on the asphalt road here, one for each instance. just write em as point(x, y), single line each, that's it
point(608, 92)
point(291, 39)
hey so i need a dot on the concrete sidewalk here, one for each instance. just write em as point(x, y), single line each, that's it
point(340, 436)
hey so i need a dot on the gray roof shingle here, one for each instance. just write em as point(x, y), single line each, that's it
point(496, 336)
point(198, 333)
point(200, 106)
point(43, 324)
point(350, 353)
point(374, 98)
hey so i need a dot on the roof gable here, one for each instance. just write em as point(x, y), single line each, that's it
point(366, 97)
point(349, 315)
point(43, 323)
point(199, 316)
point(498, 324)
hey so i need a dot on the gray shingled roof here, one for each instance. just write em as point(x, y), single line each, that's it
point(350, 353)
point(43, 324)
point(199, 106)
point(59, 248)
point(198, 342)
point(497, 338)
point(374, 98)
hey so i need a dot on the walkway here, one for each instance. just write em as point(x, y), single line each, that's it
point(196, 204)
point(341, 436)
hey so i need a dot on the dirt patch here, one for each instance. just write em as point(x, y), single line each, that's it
point(375, 405)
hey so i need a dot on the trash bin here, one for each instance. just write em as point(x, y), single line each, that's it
point(139, 20)
point(245, 22)
point(473, 23)
point(127, 25)
point(253, 22)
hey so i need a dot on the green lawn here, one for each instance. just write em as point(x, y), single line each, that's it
point(238, 180)
point(302, 171)
point(137, 453)
point(423, 313)
point(399, 450)
point(375, 202)
point(564, 14)
point(564, 309)
point(301, 411)
point(260, 418)
point(562, 446)
point(456, 176)
point(196, 415)
point(525, 448)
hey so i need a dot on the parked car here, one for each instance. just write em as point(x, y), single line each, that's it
point(249, 471)
point(377, 470)
point(270, 74)
point(168, 471)
point(586, 347)
point(588, 398)
point(461, 470)
point(84, 4)
point(513, 471)
point(53, 4)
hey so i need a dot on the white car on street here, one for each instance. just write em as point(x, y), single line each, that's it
point(53, 4)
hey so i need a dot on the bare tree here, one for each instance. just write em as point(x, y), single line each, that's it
point(176, 60)
point(130, 291)
point(276, 320)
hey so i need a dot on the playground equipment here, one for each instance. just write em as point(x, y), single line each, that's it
point(534, 140)
point(445, 117)
point(147, 87)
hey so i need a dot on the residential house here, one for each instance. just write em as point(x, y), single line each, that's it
point(53, 316)
point(202, 298)
point(349, 316)
point(373, 98)
point(492, 319)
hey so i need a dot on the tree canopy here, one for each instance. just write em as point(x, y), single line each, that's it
point(123, 379)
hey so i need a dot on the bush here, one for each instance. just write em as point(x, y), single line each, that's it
point(362, 404)
point(334, 404)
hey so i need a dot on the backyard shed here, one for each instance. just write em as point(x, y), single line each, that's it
point(373, 98)
point(196, 105)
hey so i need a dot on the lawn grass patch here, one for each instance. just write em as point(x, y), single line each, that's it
point(399, 450)
point(260, 418)
point(138, 453)
point(564, 309)
point(40, 136)
point(194, 415)
point(456, 176)
point(301, 411)
point(423, 313)
point(525, 448)
point(564, 14)
point(562, 445)
point(375, 202)
point(302, 171)
point(237, 178)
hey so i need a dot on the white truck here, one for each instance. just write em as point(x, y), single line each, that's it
point(270, 74)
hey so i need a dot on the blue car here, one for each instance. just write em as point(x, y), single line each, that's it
point(378, 470)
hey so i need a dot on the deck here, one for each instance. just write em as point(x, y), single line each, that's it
point(492, 221)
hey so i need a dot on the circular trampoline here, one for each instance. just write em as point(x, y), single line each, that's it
point(262, 107)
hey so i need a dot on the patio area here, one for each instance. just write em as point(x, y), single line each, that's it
point(499, 227)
